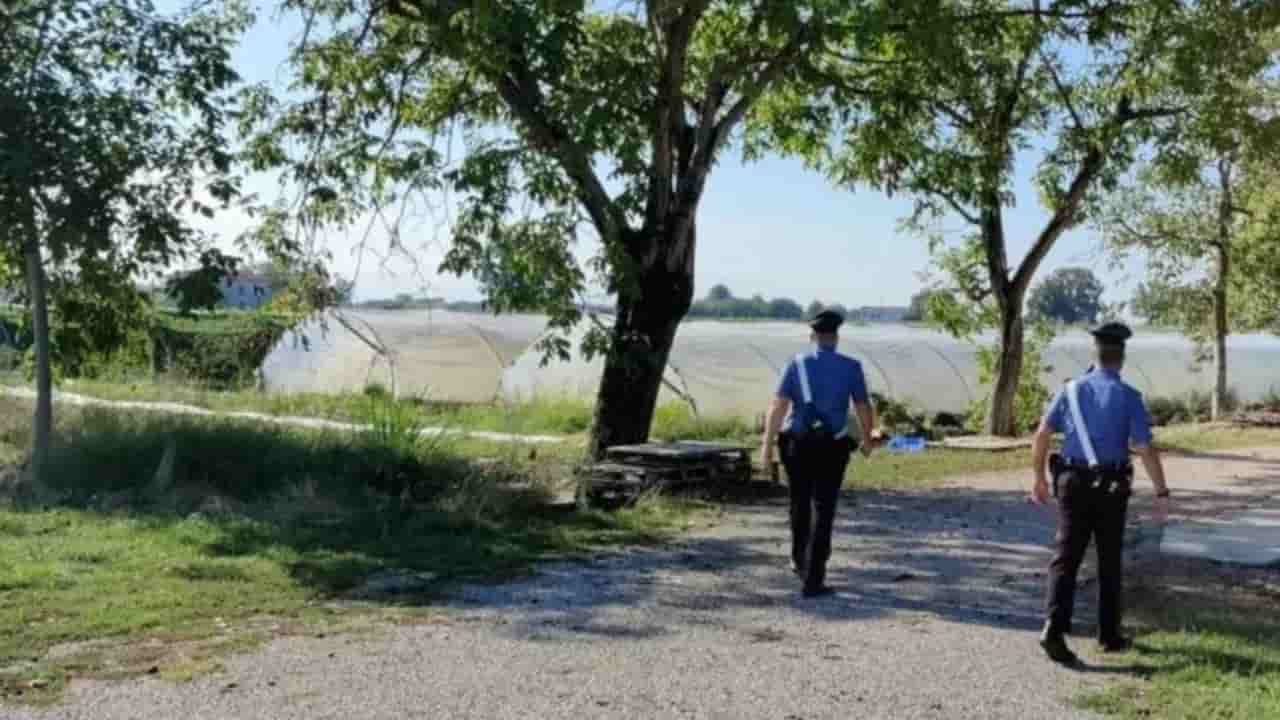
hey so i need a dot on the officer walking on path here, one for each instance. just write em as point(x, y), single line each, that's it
point(813, 395)
point(1100, 417)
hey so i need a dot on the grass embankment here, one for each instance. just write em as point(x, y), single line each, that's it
point(1209, 646)
point(543, 415)
point(572, 417)
point(255, 531)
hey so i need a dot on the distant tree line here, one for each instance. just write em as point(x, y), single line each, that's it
point(721, 303)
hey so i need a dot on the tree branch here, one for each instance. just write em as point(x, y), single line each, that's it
point(1005, 118)
point(1063, 91)
point(669, 108)
point(520, 93)
point(712, 133)
point(955, 204)
point(1137, 235)
point(1090, 167)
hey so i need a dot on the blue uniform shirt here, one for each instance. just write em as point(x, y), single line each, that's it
point(833, 380)
point(1113, 411)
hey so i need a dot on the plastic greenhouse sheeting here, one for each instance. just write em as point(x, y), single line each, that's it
point(444, 356)
point(732, 368)
point(728, 368)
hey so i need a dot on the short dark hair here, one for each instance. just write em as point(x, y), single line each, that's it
point(1111, 356)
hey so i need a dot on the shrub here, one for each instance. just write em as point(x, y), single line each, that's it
point(1195, 406)
point(1166, 410)
point(1032, 396)
point(1271, 399)
point(899, 417)
point(219, 352)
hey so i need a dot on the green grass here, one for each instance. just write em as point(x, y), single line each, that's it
point(1209, 649)
point(260, 521)
point(570, 416)
point(543, 415)
point(884, 470)
point(888, 471)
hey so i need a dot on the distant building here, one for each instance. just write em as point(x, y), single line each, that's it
point(245, 290)
point(880, 314)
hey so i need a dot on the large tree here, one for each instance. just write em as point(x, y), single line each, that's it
point(1212, 252)
point(1199, 203)
point(110, 138)
point(566, 116)
point(974, 88)
point(1067, 295)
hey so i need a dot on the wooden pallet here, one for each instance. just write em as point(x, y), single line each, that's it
point(630, 470)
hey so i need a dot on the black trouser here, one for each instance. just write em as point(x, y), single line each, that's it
point(815, 473)
point(1089, 505)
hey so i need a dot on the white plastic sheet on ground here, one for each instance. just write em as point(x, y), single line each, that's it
point(728, 368)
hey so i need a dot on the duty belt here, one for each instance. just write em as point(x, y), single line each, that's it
point(1108, 479)
point(1101, 469)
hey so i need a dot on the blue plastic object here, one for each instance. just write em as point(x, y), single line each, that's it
point(906, 444)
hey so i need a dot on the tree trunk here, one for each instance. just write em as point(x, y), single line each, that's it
point(640, 345)
point(1008, 371)
point(1220, 328)
point(1219, 402)
point(42, 428)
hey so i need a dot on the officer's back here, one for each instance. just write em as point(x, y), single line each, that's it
point(1113, 413)
point(834, 379)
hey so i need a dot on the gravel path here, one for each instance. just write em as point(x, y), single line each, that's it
point(936, 617)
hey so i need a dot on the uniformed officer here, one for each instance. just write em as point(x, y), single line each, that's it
point(813, 395)
point(1100, 417)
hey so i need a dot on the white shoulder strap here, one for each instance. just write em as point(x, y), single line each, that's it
point(1077, 418)
point(805, 391)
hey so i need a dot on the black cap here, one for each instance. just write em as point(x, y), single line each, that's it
point(827, 321)
point(1112, 333)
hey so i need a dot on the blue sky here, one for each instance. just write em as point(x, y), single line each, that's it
point(770, 227)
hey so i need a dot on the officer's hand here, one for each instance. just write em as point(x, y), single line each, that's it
point(1040, 494)
point(1160, 510)
point(866, 448)
point(766, 454)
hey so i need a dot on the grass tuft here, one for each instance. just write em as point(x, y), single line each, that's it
point(260, 521)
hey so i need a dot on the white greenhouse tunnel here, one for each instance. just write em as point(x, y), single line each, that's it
point(728, 368)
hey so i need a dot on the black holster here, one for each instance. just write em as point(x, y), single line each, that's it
point(1056, 466)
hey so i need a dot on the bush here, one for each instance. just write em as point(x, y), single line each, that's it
point(1167, 411)
point(899, 417)
point(1195, 406)
point(222, 352)
point(1271, 399)
point(1033, 395)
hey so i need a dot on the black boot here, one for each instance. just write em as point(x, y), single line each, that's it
point(1055, 646)
point(813, 591)
point(1115, 644)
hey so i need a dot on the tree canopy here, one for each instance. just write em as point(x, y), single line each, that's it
point(1189, 208)
point(111, 136)
point(721, 303)
point(945, 111)
point(1067, 295)
point(544, 120)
